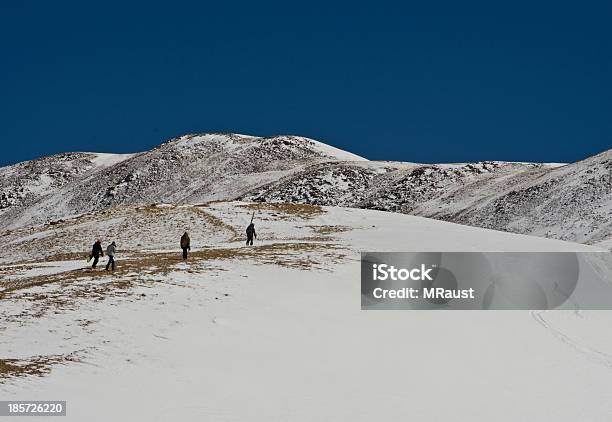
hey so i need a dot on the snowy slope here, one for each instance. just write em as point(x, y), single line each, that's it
point(275, 332)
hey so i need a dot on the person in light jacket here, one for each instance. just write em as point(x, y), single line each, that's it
point(111, 250)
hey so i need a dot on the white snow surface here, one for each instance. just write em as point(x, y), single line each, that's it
point(278, 334)
point(102, 160)
point(336, 152)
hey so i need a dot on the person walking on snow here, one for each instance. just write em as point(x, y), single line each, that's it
point(185, 244)
point(96, 252)
point(250, 232)
point(111, 250)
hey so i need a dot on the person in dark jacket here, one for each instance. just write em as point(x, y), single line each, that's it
point(185, 244)
point(250, 232)
point(96, 253)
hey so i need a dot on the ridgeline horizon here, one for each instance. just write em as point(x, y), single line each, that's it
point(168, 140)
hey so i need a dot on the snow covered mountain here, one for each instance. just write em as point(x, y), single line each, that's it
point(24, 183)
point(189, 169)
point(570, 202)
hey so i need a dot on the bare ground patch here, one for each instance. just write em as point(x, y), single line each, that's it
point(217, 222)
point(287, 210)
point(324, 230)
point(285, 254)
point(34, 366)
point(141, 267)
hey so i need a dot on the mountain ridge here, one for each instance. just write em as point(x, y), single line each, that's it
point(568, 202)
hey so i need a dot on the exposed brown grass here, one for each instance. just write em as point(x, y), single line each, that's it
point(300, 255)
point(153, 209)
point(37, 365)
point(145, 270)
point(70, 289)
point(289, 210)
point(216, 222)
point(284, 254)
point(12, 269)
point(68, 256)
point(330, 229)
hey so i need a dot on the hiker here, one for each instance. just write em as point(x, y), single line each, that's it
point(96, 253)
point(111, 250)
point(250, 231)
point(185, 244)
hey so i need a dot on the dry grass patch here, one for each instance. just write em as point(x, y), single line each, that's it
point(330, 229)
point(35, 366)
point(145, 270)
point(284, 254)
point(303, 211)
point(162, 263)
point(153, 209)
point(9, 270)
point(68, 256)
point(216, 222)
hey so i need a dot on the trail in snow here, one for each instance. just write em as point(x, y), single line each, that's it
point(595, 355)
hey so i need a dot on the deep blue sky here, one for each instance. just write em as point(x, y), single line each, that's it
point(423, 81)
